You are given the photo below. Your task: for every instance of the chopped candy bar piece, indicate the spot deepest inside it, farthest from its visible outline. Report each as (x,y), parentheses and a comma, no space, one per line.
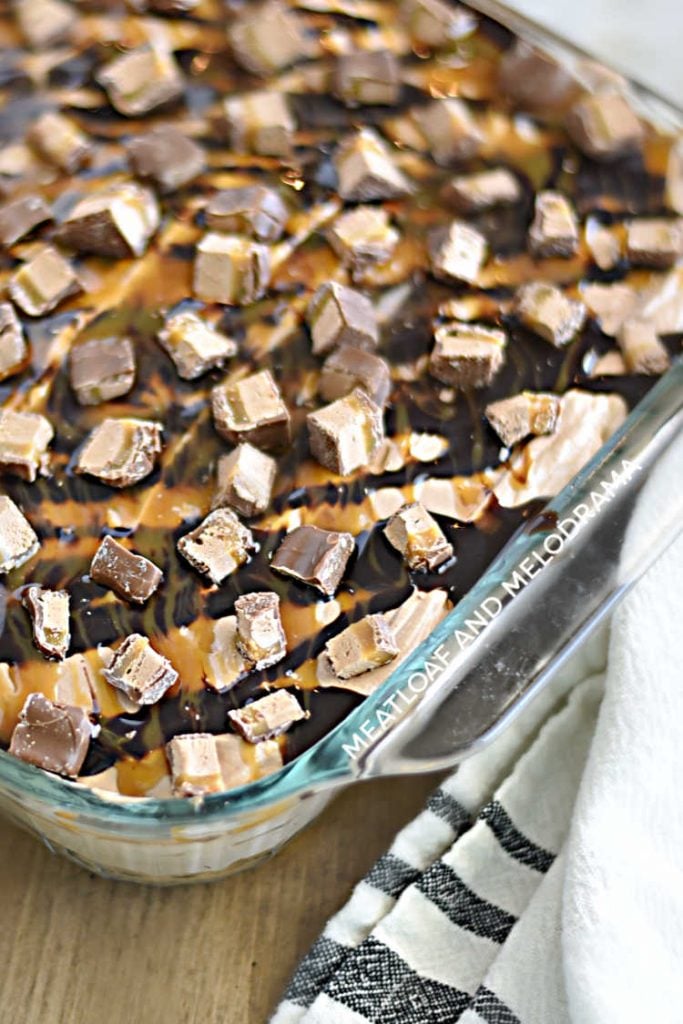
(24,439)
(260,122)
(241,762)
(554,230)
(642,350)
(338,316)
(45,23)
(121,452)
(654,242)
(40,284)
(534,80)
(59,140)
(251,410)
(604,126)
(13,347)
(366,170)
(362,646)
(18,539)
(118,222)
(267,37)
(457,253)
(101,369)
(131,576)
(245,480)
(547,311)
(437,23)
(230,269)
(140,672)
(267,717)
(418,537)
(314,556)
(194,345)
(604,247)
(344,435)
(363,235)
(141,80)
(367,77)
(531,412)
(610,304)
(472,193)
(218,546)
(51,736)
(167,157)
(467,355)
(261,639)
(349,368)
(449,130)
(195,769)
(19,217)
(254,210)
(49,611)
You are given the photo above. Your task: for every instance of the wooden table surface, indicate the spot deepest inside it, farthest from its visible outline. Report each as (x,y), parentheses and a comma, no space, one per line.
(75,949)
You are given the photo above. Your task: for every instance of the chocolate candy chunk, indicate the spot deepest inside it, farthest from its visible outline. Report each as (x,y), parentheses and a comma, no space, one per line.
(60,141)
(314,556)
(346,434)
(642,350)
(20,217)
(467,355)
(604,247)
(24,438)
(531,412)
(117,222)
(254,210)
(367,77)
(349,368)
(245,480)
(195,769)
(194,345)
(363,235)
(251,410)
(101,369)
(241,762)
(45,23)
(121,452)
(260,122)
(362,646)
(230,269)
(40,284)
(18,539)
(449,129)
(418,537)
(654,242)
(49,611)
(167,157)
(267,37)
(472,193)
(604,126)
(267,717)
(13,348)
(218,546)
(141,80)
(51,736)
(457,253)
(553,231)
(533,80)
(139,671)
(261,639)
(131,576)
(547,311)
(338,315)
(366,170)
(436,23)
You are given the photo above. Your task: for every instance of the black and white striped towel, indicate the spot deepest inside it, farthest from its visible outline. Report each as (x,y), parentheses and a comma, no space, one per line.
(510,901)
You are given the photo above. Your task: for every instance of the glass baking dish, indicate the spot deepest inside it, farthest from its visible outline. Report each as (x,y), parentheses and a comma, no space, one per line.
(551,585)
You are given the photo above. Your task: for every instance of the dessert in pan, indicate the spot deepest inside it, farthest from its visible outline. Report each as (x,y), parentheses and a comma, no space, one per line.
(306,309)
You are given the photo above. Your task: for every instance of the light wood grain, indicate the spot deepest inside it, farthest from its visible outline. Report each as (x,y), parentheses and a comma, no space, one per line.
(75,949)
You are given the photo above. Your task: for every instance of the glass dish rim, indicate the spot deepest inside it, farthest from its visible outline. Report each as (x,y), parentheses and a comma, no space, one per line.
(289,783)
